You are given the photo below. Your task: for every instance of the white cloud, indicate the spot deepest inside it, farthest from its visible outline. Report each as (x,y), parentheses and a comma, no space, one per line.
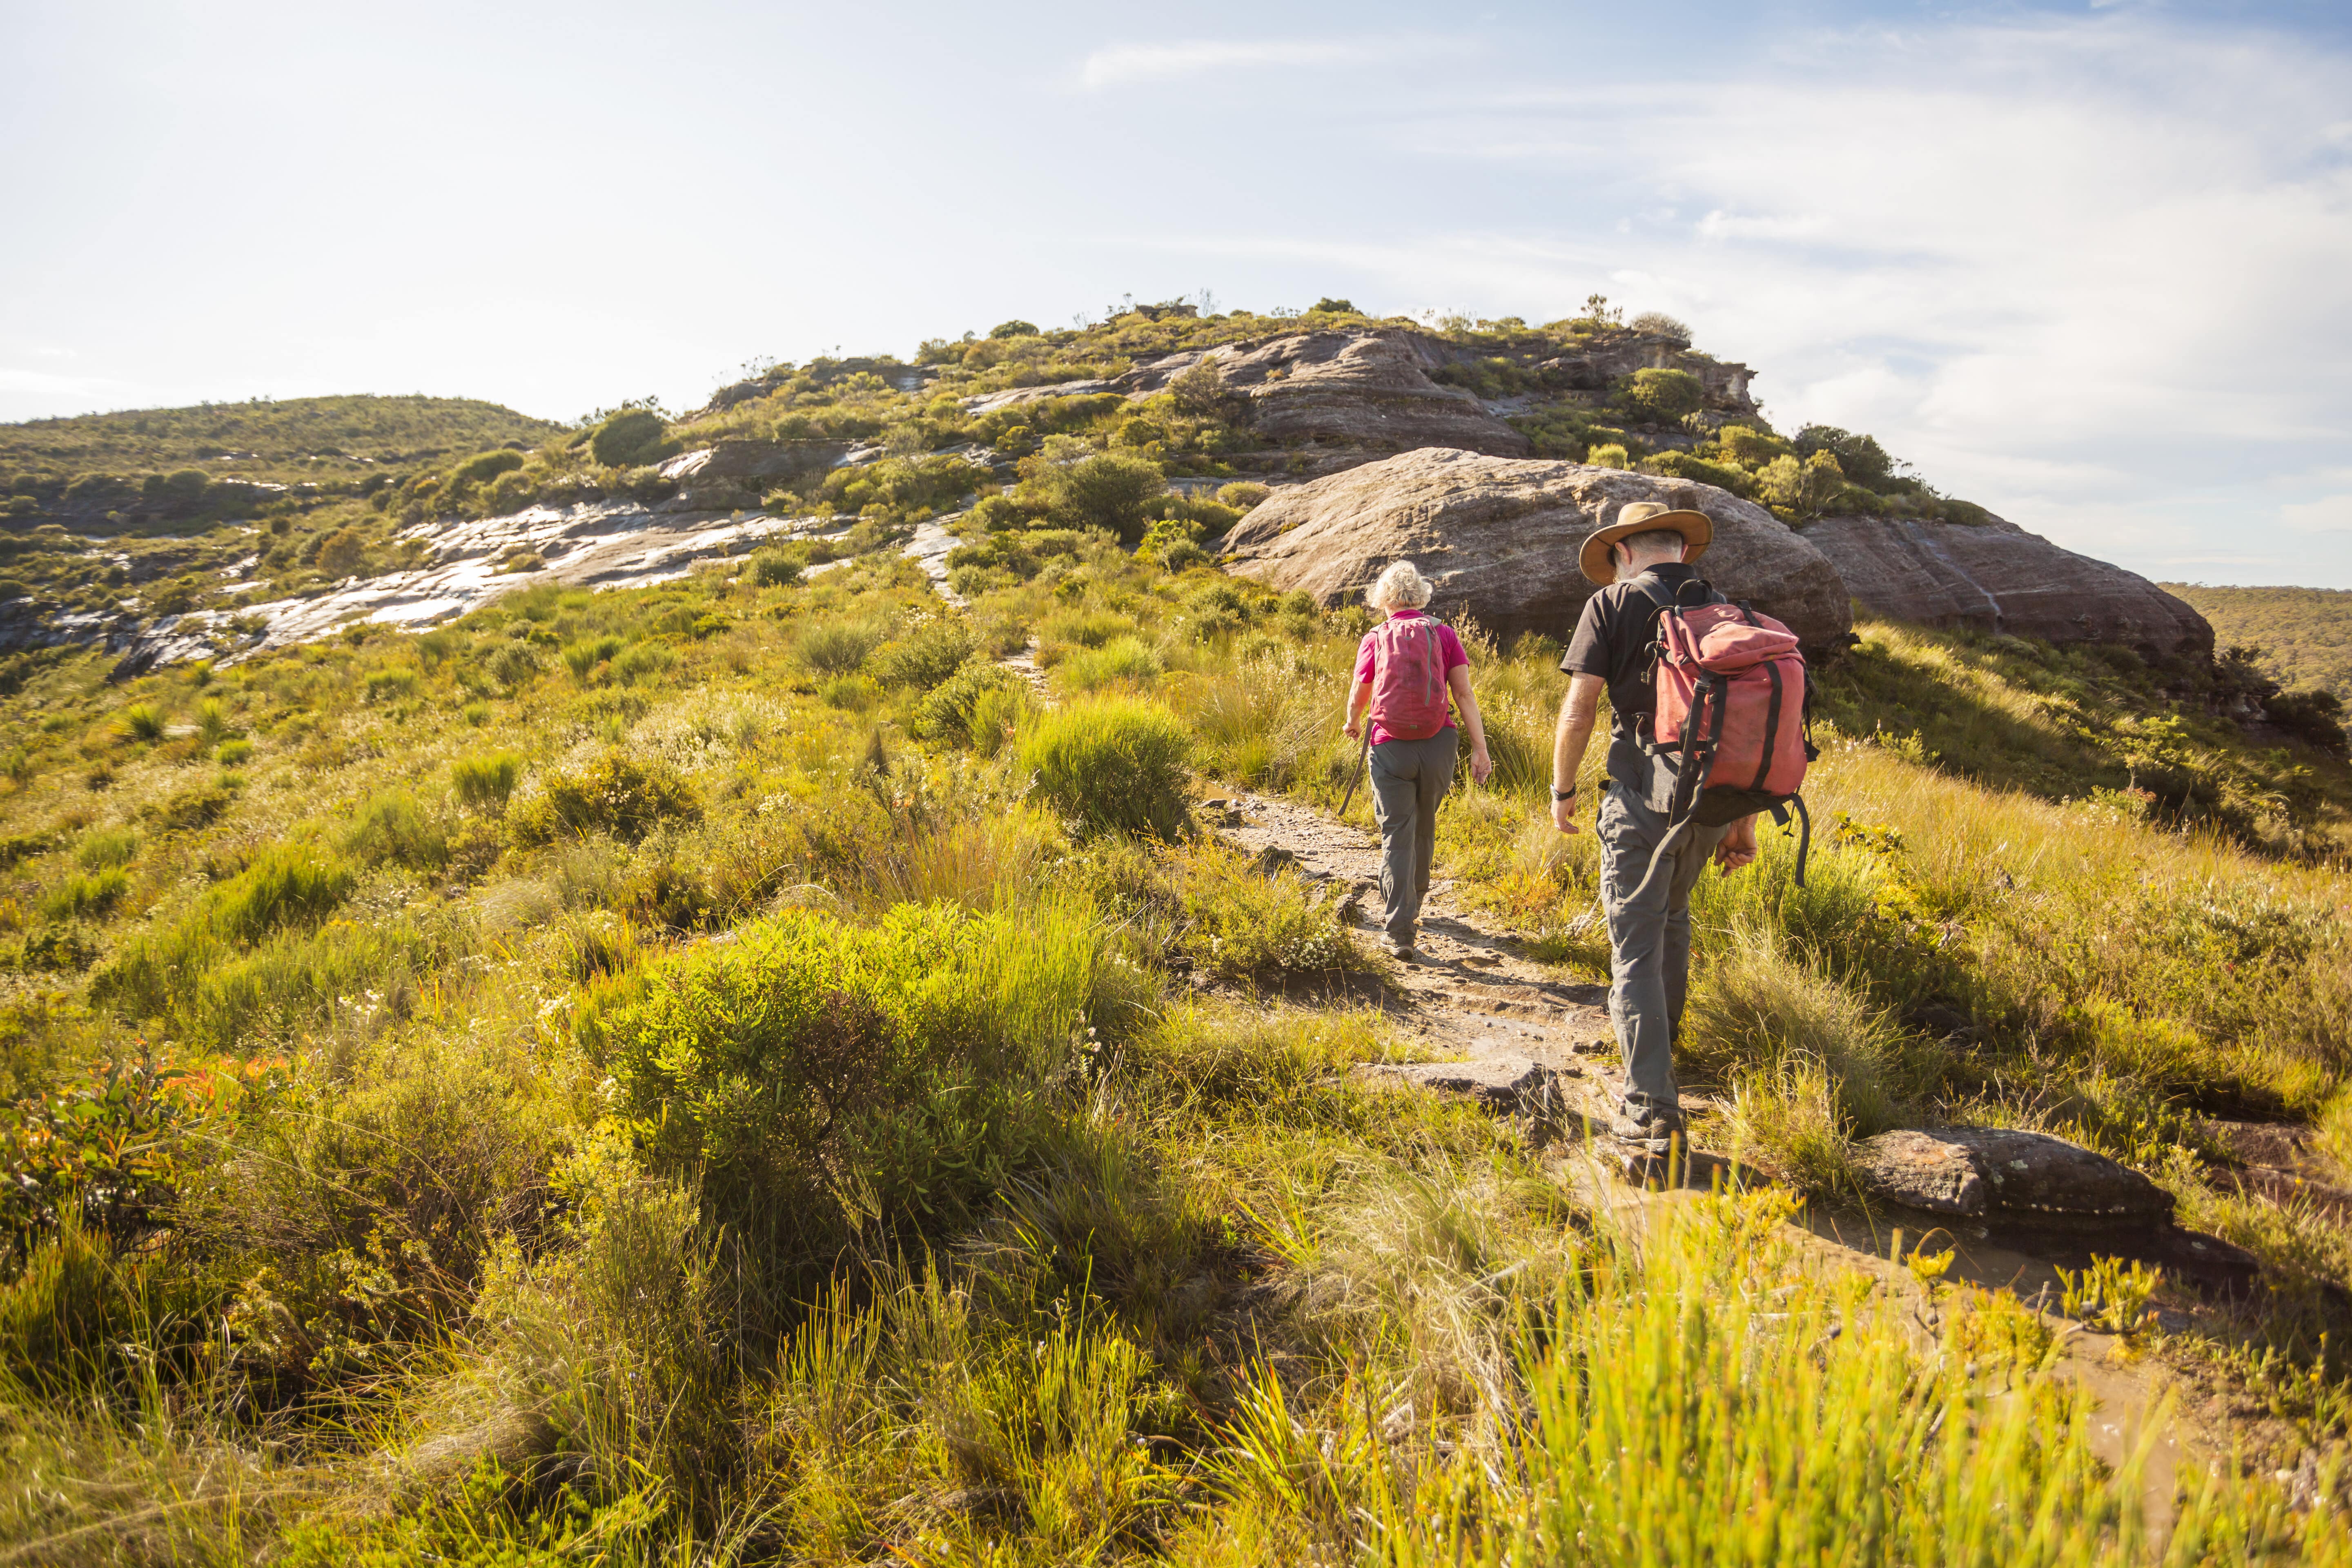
(2329,514)
(1121,63)
(2090,273)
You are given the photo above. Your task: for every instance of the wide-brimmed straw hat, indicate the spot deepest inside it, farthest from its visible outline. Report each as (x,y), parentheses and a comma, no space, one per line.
(1640,516)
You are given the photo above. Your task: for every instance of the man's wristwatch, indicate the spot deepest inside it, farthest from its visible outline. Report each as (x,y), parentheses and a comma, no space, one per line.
(1568,794)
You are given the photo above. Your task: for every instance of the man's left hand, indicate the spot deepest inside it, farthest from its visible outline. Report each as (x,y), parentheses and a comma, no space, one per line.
(1738,846)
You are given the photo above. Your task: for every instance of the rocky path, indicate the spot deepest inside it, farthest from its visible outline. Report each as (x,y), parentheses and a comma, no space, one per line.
(1527,1043)
(1512,1030)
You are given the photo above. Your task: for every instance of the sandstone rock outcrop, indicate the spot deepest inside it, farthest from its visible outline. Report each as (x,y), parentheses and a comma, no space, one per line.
(1352,389)
(1996,577)
(1977,1171)
(1499,538)
(735,472)
(1725,383)
(1364,390)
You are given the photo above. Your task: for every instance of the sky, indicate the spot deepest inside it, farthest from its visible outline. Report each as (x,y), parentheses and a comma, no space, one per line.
(2087,265)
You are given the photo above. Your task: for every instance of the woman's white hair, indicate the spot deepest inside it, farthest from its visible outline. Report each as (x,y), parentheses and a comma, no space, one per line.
(1401,584)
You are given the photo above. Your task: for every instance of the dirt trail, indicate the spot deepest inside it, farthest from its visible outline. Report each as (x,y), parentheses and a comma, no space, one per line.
(1502,1018)
(1474,995)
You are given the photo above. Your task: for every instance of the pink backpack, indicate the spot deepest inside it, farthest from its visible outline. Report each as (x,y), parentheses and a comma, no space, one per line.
(1409,678)
(1732,695)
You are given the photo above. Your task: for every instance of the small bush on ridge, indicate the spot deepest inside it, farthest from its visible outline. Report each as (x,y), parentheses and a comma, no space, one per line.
(616,794)
(1111,765)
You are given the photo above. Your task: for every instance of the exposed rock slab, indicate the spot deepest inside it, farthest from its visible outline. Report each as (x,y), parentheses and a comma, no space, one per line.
(1510,1084)
(1367,390)
(1997,577)
(1983,1171)
(1353,389)
(1499,538)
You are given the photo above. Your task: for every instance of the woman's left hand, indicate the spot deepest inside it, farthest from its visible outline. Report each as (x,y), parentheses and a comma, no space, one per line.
(1481,764)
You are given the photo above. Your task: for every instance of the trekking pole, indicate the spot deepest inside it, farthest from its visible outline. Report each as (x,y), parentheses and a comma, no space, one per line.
(1363,760)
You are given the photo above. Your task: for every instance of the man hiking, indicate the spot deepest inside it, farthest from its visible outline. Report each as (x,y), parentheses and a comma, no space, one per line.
(1642,562)
(1405,669)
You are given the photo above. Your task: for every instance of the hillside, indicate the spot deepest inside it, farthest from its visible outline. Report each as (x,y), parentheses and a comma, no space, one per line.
(290,440)
(2304,634)
(857,1042)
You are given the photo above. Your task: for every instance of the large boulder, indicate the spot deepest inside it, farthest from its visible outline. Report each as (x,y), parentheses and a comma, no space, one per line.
(1980,1170)
(1994,576)
(1499,540)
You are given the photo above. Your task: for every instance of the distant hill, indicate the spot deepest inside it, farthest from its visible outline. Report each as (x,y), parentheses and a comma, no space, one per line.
(293,439)
(2305,634)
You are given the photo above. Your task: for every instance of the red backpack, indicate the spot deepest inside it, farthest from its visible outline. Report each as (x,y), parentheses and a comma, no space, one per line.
(1409,678)
(1732,701)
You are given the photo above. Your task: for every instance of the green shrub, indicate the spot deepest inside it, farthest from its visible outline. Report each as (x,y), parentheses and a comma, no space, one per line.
(72,1311)
(1240,922)
(200,805)
(286,887)
(1013,328)
(632,438)
(1243,494)
(392,827)
(1752,448)
(104,847)
(233,752)
(514,664)
(949,711)
(1087,628)
(1111,765)
(16,846)
(925,656)
(641,661)
(1683,466)
(615,793)
(1108,490)
(92,893)
(1609,456)
(819,1078)
(389,685)
(1802,489)
(838,648)
(486,779)
(343,553)
(771,569)
(484,467)
(1122,662)
(582,655)
(1860,457)
(1665,395)
(140,721)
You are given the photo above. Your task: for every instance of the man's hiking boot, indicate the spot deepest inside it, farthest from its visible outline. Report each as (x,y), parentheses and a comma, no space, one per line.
(1655,1127)
(1402,951)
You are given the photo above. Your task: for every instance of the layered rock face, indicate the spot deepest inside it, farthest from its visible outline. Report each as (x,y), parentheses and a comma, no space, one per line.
(1997,577)
(1499,540)
(1725,383)
(1350,389)
(736,472)
(1366,391)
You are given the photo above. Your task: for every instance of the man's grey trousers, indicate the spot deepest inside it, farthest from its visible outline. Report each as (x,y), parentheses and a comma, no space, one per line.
(1409,778)
(1649,940)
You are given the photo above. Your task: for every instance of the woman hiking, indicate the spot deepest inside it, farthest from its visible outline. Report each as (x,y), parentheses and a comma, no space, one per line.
(1405,667)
